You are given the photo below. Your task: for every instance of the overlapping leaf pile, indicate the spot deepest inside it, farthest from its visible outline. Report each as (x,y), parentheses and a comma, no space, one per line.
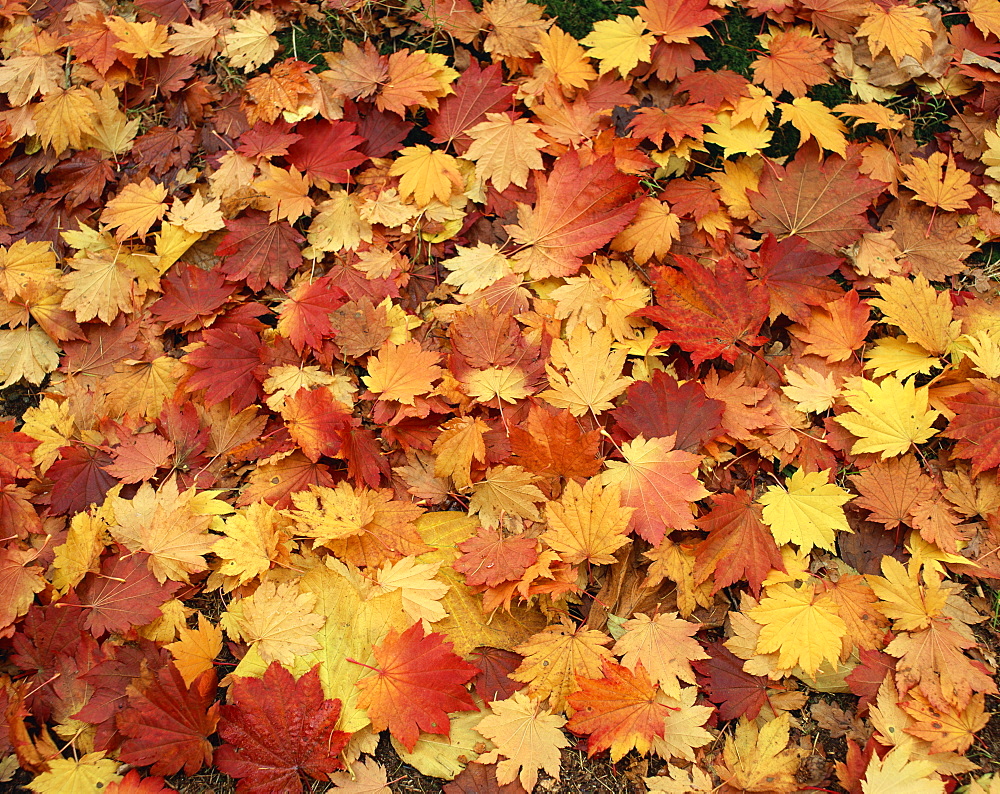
(489,387)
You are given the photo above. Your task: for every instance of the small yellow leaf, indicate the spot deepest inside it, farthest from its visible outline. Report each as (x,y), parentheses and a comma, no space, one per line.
(426,174)
(813,120)
(620,43)
(888,417)
(808,513)
(802,628)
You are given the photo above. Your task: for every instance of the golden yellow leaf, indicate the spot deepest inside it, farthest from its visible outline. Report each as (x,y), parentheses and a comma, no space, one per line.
(24,263)
(90,773)
(813,120)
(888,417)
(938,182)
(801,626)
(919,311)
(587,523)
(113,133)
(509,384)
(100,285)
(906,598)
(51,424)
(285,194)
(684,727)
(591,375)
(28,353)
(196,649)
(744,137)
(477,267)
(900,29)
(900,357)
(808,513)
(255,537)
(426,174)
(872,113)
(554,657)
(80,553)
(199,39)
(812,391)
(505,490)
(897,773)
(505,149)
(514,27)
(198,215)
(651,233)
(135,209)
(759,759)
(337,226)
(984,351)
(420,591)
(460,442)
(621,43)
(141,39)
(63,118)
(277,620)
(565,60)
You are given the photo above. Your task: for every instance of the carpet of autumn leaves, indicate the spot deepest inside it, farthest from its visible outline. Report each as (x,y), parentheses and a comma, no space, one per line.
(499,391)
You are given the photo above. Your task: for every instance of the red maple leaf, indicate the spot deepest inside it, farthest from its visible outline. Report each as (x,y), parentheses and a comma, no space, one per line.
(259,251)
(327,150)
(735,692)
(477,92)
(168,724)
(18,517)
(383,132)
(191,298)
(15,453)
(133,784)
(79,479)
(227,365)
(316,421)
(279,729)
(739,546)
(267,140)
(552,443)
(305,317)
(976,425)
(488,558)
(122,595)
(708,313)
(664,407)
(678,122)
(492,682)
(795,276)
(822,200)
(419,682)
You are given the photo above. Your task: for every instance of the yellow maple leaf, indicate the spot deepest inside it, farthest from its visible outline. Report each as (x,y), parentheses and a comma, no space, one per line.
(587,523)
(113,133)
(250,43)
(199,39)
(898,773)
(591,372)
(24,263)
(938,182)
(872,113)
(888,417)
(803,628)
(744,137)
(135,209)
(900,357)
(566,61)
(664,645)
(141,39)
(460,442)
(38,69)
(514,27)
(983,349)
(254,538)
(919,311)
(28,353)
(651,232)
(92,772)
(63,118)
(906,598)
(420,591)
(337,226)
(527,738)
(198,214)
(759,759)
(277,621)
(101,285)
(80,553)
(813,120)
(509,384)
(402,372)
(195,650)
(476,268)
(812,391)
(620,43)
(554,657)
(505,149)
(900,29)
(808,513)
(285,194)
(426,174)
(505,490)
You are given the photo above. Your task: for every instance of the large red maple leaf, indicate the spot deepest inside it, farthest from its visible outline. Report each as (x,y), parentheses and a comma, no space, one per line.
(796,276)
(976,425)
(168,724)
(122,595)
(327,150)
(279,729)
(477,92)
(418,682)
(708,313)
(227,365)
(736,692)
(664,407)
(259,251)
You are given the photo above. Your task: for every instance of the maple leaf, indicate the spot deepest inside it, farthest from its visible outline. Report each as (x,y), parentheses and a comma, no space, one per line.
(592,372)
(528,737)
(226,363)
(659,482)
(677,22)
(938,182)
(552,443)
(418,682)
(699,307)
(135,209)
(327,150)
(796,277)
(91,772)
(898,771)
(888,417)
(808,512)
(122,595)
(975,425)
(579,208)
(168,723)
(837,329)
(250,43)
(759,757)
(739,546)
(587,524)
(794,63)
(619,43)
(919,311)
(664,646)
(426,173)
(279,729)
(890,491)
(402,372)
(901,29)
(505,149)
(802,627)
(195,650)
(258,251)
(822,200)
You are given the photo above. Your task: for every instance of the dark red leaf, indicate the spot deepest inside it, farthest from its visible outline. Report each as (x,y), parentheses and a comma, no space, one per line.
(664,407)
(124,594)
(327,150)
(259,251)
